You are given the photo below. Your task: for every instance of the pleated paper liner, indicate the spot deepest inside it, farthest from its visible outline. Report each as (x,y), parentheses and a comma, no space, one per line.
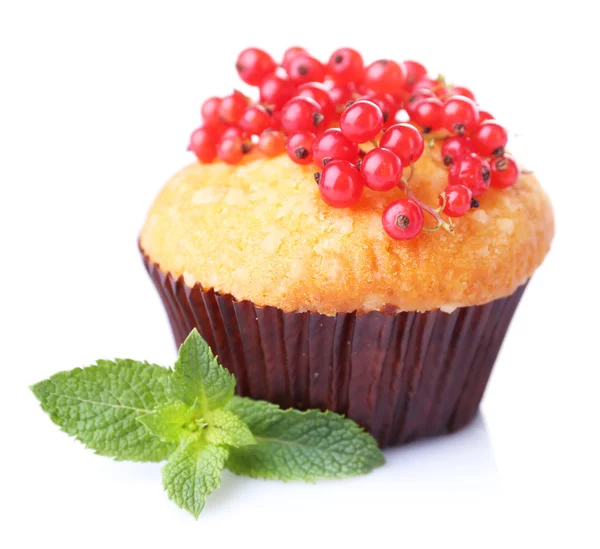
(402,376)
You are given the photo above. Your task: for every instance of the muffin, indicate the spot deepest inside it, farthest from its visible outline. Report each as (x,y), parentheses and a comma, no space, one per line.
(321,284)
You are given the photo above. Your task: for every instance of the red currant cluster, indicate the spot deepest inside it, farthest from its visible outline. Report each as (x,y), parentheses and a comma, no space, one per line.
(320,114)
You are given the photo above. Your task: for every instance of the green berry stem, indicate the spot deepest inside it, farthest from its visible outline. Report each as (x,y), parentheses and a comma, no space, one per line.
(441,222)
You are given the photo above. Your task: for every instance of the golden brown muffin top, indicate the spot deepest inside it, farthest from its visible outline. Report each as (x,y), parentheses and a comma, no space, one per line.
(261,232)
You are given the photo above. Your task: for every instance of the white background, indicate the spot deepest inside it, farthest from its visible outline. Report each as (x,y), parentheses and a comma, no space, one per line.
(97,101)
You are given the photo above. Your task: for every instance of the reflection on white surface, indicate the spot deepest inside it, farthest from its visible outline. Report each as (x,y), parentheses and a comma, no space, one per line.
(447,465)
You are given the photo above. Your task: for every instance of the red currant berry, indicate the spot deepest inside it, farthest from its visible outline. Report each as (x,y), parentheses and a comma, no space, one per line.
(381,169)
(387,104)
(255,120)
(472,171)
(318,92)
(484,115)
(232,107)
(210,111)
(345,65)
(361,121)
(414,72)
(403,219)
(271,143)
(332,144)
(299,147)
(461,114)
(405,141)
(233,131)
(289,54)
(340,95)
(303,68)
(461,90)
(400,98)
(490,139)
(203,143)
(454,147)
(385,76)
(231,150)
(276,91)
(217,129)
(301,114)
(429,113)
(414,99)
(341,184)
(253,65)
(425,84)
(458,200)
(505,171)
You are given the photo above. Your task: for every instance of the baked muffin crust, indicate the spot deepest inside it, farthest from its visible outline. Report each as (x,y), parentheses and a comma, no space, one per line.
(260,232)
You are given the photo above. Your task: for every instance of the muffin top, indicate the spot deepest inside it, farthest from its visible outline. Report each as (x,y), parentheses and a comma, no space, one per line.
(348,186)
(260,231)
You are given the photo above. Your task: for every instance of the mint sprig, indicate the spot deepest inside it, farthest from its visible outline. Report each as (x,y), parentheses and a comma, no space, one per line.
(188,416)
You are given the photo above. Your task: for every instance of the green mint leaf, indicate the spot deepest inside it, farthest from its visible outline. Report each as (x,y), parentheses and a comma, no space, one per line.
(226,428)
(294,445)
(172,422)
(192,473)
(198,375)
(99,405)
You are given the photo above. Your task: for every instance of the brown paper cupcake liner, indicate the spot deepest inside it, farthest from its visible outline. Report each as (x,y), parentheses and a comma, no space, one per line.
(402,376)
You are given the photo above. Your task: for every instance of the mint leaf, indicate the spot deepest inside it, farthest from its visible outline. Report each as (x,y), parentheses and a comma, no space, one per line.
(192,473)
(99,404)
(171,422)
(198,375)
(226,428)
(294,445)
